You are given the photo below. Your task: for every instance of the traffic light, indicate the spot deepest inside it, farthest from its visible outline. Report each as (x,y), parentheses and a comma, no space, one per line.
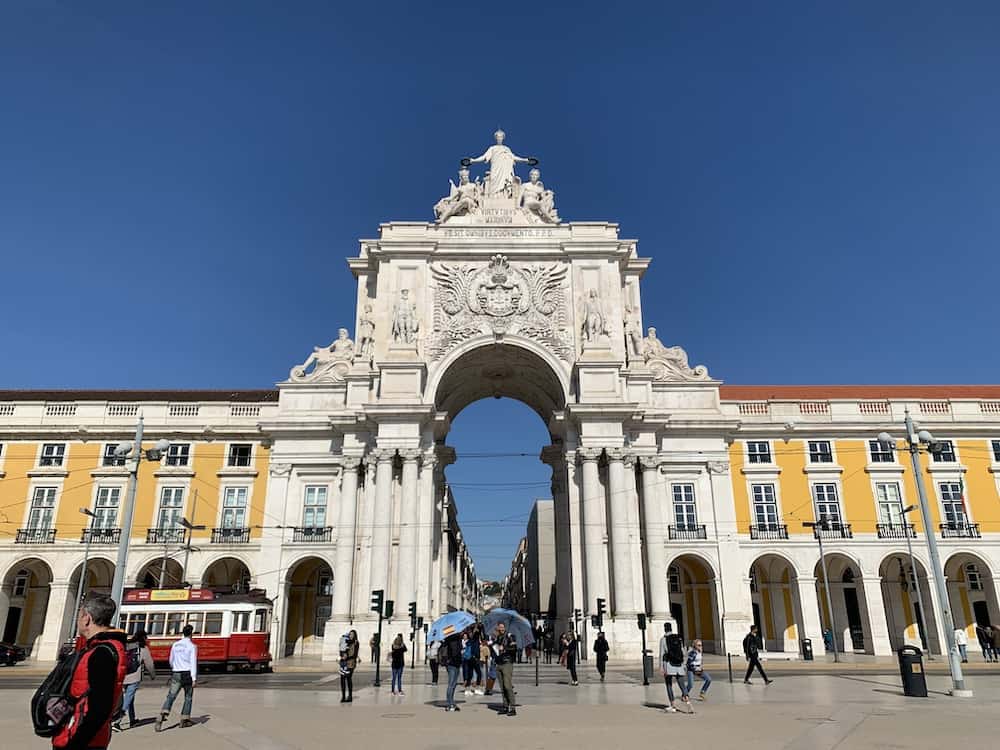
(377,597)
(420,623)
(413,615)
(388,609)
(601,608)
(642,620)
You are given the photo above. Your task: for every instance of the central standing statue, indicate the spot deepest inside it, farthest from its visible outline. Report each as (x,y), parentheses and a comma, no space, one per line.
(501,160)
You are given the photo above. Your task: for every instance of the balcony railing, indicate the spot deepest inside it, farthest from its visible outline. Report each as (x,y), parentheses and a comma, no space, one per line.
(230,536)
(833,530)
(101,536)
(769,531)
(312,533)
(954,530)
(35,536)
(895,530)
(165,536)
(687,531)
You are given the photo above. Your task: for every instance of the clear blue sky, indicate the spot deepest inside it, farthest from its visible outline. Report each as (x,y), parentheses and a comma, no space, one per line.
(816,182)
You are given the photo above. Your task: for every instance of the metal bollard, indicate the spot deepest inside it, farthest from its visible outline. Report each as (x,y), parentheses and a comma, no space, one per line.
(729,657)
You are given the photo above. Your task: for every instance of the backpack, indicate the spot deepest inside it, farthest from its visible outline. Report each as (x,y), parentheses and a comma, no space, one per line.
(675,650)
(52,705)
(467,651)
(133,659)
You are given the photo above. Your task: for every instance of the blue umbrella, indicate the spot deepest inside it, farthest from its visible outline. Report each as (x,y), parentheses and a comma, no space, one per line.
(516,624)
(450,624)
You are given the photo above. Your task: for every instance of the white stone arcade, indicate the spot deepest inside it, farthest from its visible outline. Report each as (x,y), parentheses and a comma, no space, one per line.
(500,298)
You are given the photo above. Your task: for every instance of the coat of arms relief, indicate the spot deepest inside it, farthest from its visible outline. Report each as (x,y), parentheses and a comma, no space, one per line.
(498,299)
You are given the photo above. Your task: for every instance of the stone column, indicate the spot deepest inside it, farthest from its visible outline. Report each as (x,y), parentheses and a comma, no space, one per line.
(811,625)
(363,565)
(553,456)
(656,555)
(343,574)
(55,611)
(621,553)
(881,645)
(5,591)
(425,532)
(406,587)
(381,533)
(595,555)
(634,534)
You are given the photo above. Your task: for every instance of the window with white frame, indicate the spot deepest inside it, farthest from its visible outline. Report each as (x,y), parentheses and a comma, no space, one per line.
(944,452)
(995,445)
(106,507)
(820,452)
(43,508)
(890,503)
(881,453)
(758,452)
(765,505)
(685,514)
(171,508)
(972,577)
(21,581)
(234,508)
(673,580)
(827,502)
(314,507)
(53,454)
(178,454)
(953,504)
(109,458)
(239,454)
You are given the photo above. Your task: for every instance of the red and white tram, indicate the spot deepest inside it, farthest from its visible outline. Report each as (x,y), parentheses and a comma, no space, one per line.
(229,629)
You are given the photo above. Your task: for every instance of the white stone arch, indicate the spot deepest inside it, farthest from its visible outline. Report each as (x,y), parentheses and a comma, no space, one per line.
(971,602)
(695,608)
(26,562)
(25,613)
(305,607)
(853,609)
(905,621)
(204,563)
(776,604)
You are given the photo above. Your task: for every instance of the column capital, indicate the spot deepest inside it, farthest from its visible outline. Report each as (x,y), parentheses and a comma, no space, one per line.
(280,470)
(650,463)
(429,459)
(616,454)
(410,455)
(586,455)
(349,462)
(383,455)
(718,467)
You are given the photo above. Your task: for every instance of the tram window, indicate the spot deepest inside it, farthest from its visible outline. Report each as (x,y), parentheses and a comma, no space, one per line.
(260,621)
(175,623)
(136,621)
(156,622)
(194,620)
(213,623)
(241,622)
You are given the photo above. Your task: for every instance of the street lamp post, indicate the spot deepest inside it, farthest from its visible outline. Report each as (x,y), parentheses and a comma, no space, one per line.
(916,578)
(914,441)
(189,528)
(817,527)
(88,533)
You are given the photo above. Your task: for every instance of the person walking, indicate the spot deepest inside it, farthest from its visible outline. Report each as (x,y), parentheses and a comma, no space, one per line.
(397,658)
(450,655)
(140,661)
(672,666)
(373,645)
(751,651)
(600,649)
(348,663)
(571,652)
(432,660)
(550,645)
(994,639)
(96,685)
(183,674)
(695,668)
(962,643)
(504,649)
(470,661)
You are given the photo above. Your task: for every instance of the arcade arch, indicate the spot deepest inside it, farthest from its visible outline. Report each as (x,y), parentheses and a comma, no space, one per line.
(308,605)
(777,609)
(691,583)
(228,573)
(903,618)
(972,592)
(853,630)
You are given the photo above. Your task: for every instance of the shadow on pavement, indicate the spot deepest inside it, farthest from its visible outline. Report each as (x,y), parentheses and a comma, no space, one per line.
(657,706)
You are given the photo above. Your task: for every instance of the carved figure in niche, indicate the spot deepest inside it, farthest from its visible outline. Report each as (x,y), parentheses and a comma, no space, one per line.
(366,335)
(538,201)
(633,336)
(500,178)
(594,323)
(404,319)
(462,199)
(325,358)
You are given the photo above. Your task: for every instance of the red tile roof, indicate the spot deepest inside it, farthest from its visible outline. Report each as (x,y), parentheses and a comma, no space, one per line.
(863,392)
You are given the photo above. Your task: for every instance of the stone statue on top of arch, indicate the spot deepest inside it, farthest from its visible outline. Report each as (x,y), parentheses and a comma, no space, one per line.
(502,180)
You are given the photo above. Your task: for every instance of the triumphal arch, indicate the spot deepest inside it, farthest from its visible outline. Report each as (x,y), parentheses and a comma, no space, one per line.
(499,296)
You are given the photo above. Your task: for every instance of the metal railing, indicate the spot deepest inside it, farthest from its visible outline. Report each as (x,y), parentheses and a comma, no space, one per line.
(769,531)
(165,536)
(35,536)
(687,531)
(895,530)
(833,530)
(312,533)
(230,536)
(955,530)
(101,536)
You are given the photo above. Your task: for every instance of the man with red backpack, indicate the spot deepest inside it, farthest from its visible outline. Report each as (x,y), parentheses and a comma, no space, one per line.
(96,685)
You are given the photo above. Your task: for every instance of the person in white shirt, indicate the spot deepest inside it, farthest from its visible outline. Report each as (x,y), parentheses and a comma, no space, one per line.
(962,642)
(184,674)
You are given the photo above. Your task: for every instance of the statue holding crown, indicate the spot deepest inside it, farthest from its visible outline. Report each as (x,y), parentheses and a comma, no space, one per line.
(501,159)
(462,199)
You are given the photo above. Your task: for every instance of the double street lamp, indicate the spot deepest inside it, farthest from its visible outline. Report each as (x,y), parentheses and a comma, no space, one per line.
(87,533)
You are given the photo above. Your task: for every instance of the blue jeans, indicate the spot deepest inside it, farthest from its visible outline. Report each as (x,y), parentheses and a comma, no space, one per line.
(452,682)
(397,679)
(128,701)
(706,681)
(173,690)
(963,650)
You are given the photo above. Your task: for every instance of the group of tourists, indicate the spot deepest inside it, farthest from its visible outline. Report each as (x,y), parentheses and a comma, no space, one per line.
(471,654)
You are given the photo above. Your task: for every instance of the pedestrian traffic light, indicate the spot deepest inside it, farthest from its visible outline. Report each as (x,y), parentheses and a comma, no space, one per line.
(642,620)
(413,615)
(420,623)
(388,609)
(601,610)
(377,597)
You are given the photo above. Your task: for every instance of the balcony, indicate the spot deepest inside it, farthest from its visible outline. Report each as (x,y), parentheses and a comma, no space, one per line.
(35,536)
(769,531)
(960,530)
(895,530)
(313,534)
(687,531)
(165,536)
(833,530)
(101,536)
(230,536)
